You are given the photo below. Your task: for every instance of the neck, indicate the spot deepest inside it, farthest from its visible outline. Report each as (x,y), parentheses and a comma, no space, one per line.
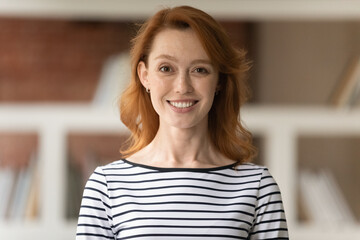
(177,147)
(181,148)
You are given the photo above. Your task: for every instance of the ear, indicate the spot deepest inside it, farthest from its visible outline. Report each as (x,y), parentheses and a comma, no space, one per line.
(143,74)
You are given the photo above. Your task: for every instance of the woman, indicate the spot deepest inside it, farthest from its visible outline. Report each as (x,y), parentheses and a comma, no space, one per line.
(184,174)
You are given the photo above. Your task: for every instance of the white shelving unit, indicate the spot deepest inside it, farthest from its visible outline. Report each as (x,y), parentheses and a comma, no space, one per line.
(257,10)
(52,123)
(279,126)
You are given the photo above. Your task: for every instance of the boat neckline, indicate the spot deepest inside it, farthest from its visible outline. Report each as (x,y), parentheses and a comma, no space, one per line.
(166,169)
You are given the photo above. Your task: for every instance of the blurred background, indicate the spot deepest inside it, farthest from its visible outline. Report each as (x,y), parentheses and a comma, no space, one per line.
(63,65)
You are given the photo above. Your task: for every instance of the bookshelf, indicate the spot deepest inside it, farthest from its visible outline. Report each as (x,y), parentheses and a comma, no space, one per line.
(52,125)
(283,128)
(18,184)
(330,159)
(233,9)
(279,128)
(86,151)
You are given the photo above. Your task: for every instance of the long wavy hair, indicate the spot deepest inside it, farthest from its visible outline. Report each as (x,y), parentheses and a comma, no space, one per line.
(226,131)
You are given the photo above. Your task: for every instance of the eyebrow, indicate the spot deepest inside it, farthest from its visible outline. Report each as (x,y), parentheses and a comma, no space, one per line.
(171,58)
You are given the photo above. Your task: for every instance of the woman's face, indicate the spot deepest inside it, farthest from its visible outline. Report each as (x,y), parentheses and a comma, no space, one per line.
(181,78)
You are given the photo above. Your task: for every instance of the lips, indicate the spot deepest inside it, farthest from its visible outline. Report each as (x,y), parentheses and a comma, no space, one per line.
(182,104)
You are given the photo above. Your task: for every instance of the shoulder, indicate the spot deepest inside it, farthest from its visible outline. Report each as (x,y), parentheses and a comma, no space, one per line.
(117,166)
(101,172)
(250,168)
(261,173)
(268,189)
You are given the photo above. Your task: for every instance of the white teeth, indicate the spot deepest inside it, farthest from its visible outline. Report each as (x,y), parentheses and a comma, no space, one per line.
(182,104)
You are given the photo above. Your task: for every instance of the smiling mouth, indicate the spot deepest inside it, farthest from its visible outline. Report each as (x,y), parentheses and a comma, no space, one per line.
(185,104)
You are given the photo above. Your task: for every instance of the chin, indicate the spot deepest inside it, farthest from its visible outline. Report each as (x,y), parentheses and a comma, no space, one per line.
(187,125)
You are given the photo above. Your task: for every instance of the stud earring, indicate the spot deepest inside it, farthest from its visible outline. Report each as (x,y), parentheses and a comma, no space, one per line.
(147,90)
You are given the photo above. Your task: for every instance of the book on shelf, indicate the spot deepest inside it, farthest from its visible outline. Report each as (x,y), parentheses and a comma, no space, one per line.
(31,206)
(322,198)
(18,191)
(114,76)
(7,181)
(347,91)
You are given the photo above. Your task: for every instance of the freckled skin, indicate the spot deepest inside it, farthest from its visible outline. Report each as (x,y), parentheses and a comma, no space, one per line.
(179,70)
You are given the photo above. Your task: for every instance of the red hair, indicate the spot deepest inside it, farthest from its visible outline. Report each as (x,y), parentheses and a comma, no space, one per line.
(226,132)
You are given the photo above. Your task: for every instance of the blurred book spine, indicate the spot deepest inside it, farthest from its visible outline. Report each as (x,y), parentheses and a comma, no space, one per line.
(322,198)
(347,91)
(114,77)
(19,191)
(7,179)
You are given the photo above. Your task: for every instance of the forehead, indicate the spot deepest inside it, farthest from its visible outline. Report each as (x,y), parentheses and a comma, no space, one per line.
(178,43)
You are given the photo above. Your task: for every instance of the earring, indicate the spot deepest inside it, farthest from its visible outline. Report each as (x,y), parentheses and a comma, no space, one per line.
(147,90)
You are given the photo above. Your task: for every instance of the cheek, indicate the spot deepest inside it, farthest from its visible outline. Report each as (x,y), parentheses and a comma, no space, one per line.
(155,103)
(209,86)
(156,81)
(157,93)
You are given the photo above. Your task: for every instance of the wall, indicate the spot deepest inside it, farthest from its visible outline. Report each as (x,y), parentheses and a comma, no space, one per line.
(55,60)
(61,60)
(301,62)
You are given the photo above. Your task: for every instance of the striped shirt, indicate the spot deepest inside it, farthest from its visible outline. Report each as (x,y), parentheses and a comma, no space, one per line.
(125,200)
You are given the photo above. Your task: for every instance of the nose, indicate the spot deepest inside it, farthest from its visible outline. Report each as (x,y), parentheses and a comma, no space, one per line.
(183,83)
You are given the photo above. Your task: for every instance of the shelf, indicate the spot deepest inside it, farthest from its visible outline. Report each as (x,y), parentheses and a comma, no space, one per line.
(19,180)
(308,120)
(38,230)
(80,117)
(85,118)
(276,128)
(316,232)
(288,31)
(233,9)
(52,123)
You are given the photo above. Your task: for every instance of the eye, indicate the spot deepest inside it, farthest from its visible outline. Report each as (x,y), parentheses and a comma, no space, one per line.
(165,69)
(201,70)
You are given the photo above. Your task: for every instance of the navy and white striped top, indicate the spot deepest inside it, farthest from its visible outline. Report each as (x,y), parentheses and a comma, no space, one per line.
(124,200)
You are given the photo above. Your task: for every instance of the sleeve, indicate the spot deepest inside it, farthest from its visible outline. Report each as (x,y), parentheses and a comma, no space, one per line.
(270,221)
(95,221)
